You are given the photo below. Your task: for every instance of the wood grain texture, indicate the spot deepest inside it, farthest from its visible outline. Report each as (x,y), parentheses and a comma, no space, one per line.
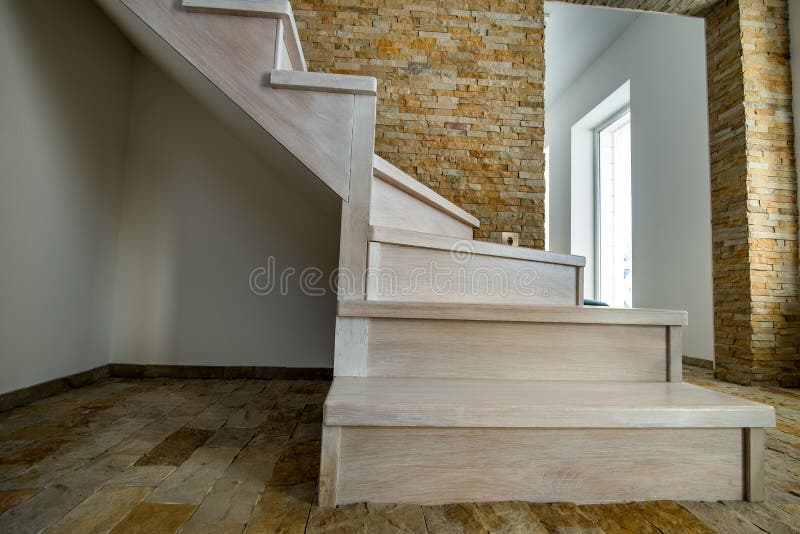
(323,81)
(329,465)
(399,179)
(674,353)
(428,402)
(279,9)
(354,237)
(436,466)
(503,313)
(395,208)
(350,346)
(234,54)
(415,274)
(281,59)
(754,450)
(514,350)
(481,248)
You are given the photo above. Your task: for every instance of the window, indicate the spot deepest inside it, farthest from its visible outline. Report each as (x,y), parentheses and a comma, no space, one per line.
(547,198)
(614,236)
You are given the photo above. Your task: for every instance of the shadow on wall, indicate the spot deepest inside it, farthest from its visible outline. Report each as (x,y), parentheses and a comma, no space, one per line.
(200,212)
(64,97)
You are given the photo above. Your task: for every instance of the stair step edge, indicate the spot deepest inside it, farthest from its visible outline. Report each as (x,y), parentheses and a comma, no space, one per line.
(396,236)
(324,82)
(506,313)
(528,404)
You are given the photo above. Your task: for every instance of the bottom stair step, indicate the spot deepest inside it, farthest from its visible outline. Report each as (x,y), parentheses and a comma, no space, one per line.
(430,441)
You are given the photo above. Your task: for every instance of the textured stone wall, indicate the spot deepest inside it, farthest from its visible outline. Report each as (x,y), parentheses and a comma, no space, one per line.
(753,191)
(461,96)
(461,108)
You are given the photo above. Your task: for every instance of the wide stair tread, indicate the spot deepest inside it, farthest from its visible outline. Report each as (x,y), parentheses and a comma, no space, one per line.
(458,246)
(455,311)
(428,402)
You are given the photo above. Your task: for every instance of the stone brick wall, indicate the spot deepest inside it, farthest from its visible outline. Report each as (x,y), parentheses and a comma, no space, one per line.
(461,96)
(754,192)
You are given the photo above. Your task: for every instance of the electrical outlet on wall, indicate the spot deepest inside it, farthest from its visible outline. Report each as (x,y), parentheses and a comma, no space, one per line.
(510,238)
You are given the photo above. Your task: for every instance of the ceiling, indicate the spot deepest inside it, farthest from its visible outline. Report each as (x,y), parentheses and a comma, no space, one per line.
(575,37)
(679,7)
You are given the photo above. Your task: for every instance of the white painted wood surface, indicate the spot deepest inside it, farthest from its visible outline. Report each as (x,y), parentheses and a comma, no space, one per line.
(675,353)
(323,81)
(754,451)
(354,236)
(445,465)
(481,248)
(279,9)
(350,346)
(502,313)
(281,54)
(415,274)
(395,208)
(235,54)
(399,179)
(515,350)
(329,465)
(428,402)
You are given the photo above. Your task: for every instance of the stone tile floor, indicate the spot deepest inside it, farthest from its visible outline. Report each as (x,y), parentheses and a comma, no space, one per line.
(225,456)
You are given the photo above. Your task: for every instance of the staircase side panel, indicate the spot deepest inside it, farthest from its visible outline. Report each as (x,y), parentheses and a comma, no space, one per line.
(393,208)
(236,54)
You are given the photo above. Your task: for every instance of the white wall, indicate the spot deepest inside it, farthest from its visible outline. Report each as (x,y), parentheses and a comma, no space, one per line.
(201,210)
(664,59)
(63,122)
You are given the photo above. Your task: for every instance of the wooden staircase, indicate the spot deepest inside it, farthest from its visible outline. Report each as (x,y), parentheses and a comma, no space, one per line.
(464,370)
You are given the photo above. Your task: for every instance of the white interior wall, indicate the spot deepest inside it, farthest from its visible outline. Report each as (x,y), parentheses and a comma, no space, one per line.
(201,210)
(131,219)
(664,59)
(64,93)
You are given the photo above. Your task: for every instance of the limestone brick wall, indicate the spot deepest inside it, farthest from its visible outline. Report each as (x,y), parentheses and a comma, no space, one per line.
(754,192)
(461,96)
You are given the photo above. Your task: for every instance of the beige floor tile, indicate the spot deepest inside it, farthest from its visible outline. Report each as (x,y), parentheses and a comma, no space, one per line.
(282,509)
(101,511)
(191,482)
(453,519)
(509,518)
(234,495)
(351,519)
(298,463)
(12,498)
(669,516)
(176,448)
(149,518)
(721,518)
(193,527)
(395,519)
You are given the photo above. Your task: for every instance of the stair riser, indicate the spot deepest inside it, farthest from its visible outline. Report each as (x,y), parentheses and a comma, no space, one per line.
(392,208)
(437,466)
(516,350)
(409,273)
